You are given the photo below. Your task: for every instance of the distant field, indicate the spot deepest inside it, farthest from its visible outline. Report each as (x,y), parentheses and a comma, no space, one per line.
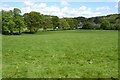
(61,54)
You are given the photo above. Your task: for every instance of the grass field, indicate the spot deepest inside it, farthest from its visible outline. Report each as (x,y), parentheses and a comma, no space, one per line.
(61,54)
(0,56)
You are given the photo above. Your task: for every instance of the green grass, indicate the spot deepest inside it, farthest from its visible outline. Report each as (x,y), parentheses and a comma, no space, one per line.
(61,54)
(0,56)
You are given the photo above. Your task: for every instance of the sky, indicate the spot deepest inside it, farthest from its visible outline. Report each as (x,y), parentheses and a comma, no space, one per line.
(64,8)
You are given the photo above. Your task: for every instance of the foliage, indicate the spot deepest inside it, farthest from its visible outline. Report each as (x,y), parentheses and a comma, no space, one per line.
(64,24)
(11,25)
(88,25)
(12,21)
(19,20)
(105,25)
(97,27)
(97,20)
(0,22)
(117,26)
(47,22)
(33,21)
(55,22)
(112,20)
(91,19)
(81,19)
(72,22)
(5,20)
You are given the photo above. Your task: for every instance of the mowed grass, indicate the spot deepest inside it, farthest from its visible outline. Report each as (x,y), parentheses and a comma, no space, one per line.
(61,54)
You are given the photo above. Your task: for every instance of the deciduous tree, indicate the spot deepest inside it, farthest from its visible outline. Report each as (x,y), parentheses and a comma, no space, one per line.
(105,25)
(47,22)
(55,22)
(64,24)
(33,21)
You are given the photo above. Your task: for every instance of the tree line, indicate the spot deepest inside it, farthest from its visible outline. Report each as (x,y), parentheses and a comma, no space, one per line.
(109,22)
(15,23)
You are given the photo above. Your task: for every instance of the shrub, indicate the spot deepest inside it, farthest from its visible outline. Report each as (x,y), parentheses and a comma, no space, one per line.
(117,26)
(97,27)
(87,25)
(105,25)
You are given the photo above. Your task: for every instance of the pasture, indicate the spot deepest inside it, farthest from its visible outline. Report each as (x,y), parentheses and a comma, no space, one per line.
(61,54)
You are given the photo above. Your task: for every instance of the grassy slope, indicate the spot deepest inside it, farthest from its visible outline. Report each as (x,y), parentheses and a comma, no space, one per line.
(81,54)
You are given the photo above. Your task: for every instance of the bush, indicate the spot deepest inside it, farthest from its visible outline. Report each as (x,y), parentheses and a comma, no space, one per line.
(112,27)
(97,27)
(117,26)
(87,25)
(105,25)
(5,32)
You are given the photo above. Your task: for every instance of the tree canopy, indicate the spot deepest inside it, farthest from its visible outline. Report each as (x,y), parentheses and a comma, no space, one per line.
(33,21)
(14,22)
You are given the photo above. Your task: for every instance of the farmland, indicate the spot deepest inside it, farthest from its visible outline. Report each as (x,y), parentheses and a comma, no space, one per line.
(61,54)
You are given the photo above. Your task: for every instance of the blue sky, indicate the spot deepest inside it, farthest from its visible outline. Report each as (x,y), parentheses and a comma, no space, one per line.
(64,8)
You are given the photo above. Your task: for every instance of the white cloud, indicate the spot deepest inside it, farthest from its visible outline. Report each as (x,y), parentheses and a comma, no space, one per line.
(6,7)
(42,5)
(64,11)
(104,8)
(28,3)
(116,6)
(82,8)
(64,3)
